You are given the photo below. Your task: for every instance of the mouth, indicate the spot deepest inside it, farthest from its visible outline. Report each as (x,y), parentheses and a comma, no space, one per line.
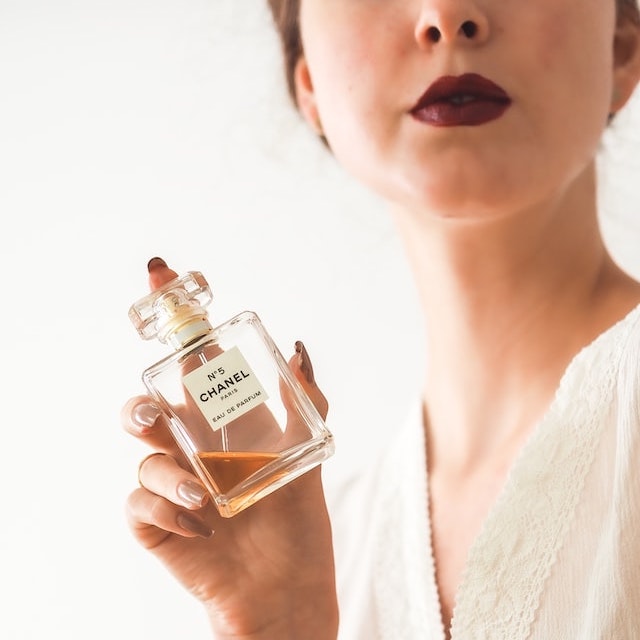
(467,100)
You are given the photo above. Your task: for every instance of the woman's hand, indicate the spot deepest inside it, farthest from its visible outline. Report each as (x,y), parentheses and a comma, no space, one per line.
(266,573)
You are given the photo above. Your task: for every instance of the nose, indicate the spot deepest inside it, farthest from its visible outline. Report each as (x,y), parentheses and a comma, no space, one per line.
(451,21)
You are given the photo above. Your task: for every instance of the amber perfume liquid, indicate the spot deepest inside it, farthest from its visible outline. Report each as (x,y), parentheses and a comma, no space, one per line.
(235,409)
(228,469)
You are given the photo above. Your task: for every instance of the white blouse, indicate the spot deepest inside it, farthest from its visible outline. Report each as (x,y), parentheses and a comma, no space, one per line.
(558,556)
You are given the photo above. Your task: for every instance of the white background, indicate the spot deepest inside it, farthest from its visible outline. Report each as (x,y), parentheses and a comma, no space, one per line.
(132,128)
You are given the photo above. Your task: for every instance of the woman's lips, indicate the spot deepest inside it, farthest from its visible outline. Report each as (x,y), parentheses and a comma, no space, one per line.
(467,100)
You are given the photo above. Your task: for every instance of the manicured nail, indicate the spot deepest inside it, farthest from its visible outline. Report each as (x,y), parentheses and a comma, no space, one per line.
(305,362)
(155,263)
(145,415)
(191,523)
(192,494)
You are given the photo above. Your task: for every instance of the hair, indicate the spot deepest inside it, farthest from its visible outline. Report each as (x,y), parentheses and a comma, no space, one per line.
(286,13)
(285,16)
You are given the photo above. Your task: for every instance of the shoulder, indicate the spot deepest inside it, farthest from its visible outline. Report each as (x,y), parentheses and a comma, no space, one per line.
(610,384)
(627,373)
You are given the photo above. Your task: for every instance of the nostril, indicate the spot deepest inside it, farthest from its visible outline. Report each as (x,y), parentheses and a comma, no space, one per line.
(469,28)
(433,34)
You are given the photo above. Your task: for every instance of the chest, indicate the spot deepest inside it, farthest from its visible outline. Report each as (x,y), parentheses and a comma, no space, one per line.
(457,511)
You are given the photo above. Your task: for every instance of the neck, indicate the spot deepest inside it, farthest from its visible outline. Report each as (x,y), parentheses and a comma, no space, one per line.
(508,301)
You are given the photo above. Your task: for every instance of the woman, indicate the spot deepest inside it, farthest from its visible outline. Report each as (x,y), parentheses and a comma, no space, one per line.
(479,122)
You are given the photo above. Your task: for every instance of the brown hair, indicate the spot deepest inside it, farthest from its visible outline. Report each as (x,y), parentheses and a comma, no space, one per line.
(285,16)
(286,12)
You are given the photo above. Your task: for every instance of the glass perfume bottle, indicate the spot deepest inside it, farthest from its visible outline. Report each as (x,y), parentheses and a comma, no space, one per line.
(235,409)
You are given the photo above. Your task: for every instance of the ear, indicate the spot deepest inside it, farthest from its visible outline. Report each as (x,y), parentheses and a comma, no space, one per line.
(626,60)
(305,95)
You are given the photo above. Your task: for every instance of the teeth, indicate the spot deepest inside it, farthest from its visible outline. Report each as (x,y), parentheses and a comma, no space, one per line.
(464,99)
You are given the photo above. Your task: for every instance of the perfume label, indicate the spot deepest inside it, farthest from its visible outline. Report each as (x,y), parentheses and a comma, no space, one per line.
(225,388)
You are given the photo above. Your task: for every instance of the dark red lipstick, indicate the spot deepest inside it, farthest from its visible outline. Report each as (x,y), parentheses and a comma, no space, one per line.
(461,101)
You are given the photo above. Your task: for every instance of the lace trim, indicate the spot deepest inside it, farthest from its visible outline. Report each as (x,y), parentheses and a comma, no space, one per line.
(407,604)
(517,547)
(513,555)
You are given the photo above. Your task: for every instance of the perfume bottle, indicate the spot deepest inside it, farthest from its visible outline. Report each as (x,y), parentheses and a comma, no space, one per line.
(235,409)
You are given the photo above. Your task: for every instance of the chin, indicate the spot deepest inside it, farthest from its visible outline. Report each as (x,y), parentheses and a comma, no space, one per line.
(458,184)
(453,198)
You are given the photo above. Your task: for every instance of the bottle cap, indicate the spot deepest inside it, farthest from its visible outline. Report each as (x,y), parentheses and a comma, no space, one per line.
(174,313)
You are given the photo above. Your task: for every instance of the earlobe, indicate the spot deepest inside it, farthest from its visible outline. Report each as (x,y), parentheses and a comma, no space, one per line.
(626,54)
(305,96)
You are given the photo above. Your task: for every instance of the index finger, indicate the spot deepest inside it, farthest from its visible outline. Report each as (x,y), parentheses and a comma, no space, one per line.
(159,273)
(141,416)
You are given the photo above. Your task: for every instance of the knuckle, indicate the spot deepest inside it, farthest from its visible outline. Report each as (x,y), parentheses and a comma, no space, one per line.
(157,509)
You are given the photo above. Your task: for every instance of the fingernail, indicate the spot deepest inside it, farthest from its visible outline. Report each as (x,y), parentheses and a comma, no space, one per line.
(155,263)
(191,523)
(305,362)
(192,494)
(144,416)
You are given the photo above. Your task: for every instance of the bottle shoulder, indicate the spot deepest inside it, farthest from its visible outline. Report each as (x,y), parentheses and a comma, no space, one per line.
(207,346)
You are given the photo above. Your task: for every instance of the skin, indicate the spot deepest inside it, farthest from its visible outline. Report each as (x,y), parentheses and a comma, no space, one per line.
(277,555)
(499,221)
(500,227)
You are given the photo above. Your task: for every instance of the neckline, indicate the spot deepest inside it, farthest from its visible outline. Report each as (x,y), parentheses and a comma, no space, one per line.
(522,472)
(404,582)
